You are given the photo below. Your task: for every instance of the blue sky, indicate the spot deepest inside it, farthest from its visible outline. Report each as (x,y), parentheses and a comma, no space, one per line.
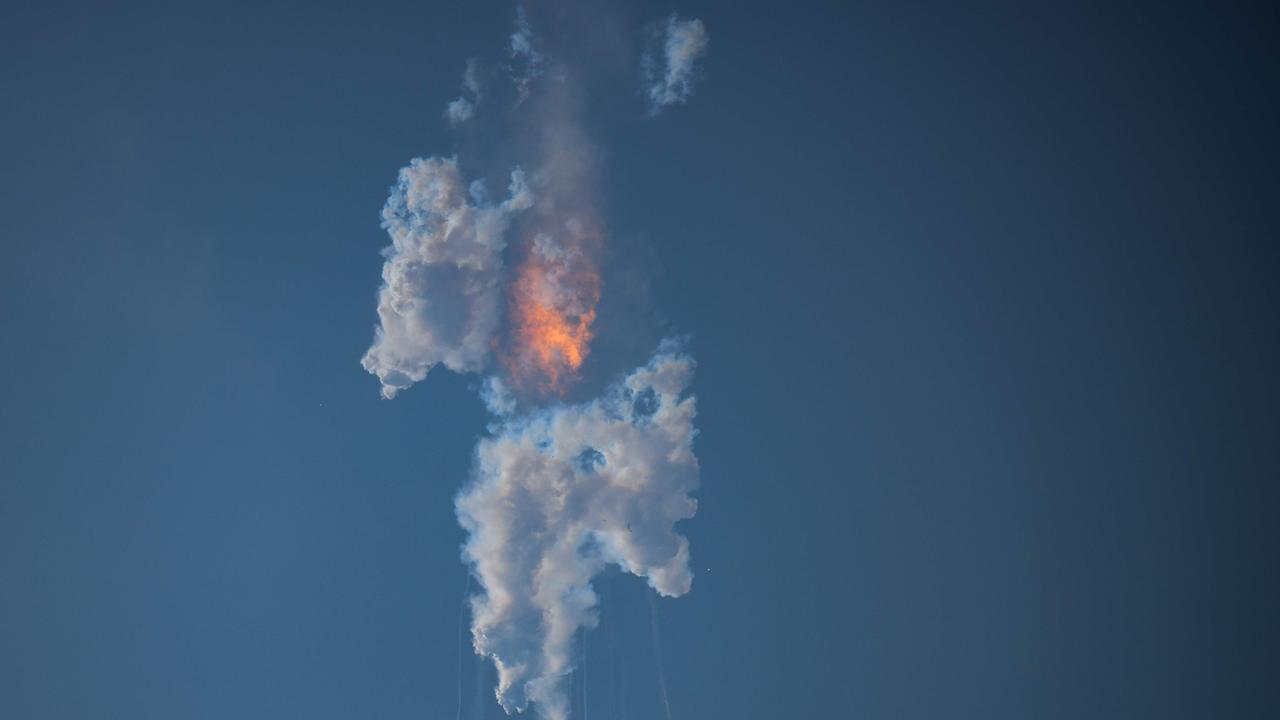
(981,299)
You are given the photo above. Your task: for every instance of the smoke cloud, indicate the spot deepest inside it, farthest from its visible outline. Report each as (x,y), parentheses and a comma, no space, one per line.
(441,296)
(559,495)
(508,289)
(670,66)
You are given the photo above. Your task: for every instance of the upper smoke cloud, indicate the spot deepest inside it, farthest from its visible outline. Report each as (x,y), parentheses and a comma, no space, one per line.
(561,494)
(669,69)
(440,300)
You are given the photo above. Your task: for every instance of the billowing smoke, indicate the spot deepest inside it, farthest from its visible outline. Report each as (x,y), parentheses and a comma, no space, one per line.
(560,494)
(508,287)
(441,296)
(669,65)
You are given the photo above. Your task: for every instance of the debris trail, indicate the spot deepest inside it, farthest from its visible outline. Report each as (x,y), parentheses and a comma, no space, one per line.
(657,654)
(478,706)
(609,619)
(462,626)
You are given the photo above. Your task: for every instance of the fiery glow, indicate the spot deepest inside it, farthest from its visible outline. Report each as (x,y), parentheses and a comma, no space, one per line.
(552,309)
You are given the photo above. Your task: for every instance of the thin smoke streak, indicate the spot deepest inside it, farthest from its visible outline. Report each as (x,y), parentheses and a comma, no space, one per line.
(613,698)
(478,706)
(462,619)
(584,674)
(622,687)
(657,653)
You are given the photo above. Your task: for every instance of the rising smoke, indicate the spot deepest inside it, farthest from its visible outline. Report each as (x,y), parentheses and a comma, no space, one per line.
(509,289)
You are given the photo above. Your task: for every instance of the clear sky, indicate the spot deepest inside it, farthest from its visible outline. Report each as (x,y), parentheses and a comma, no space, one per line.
(982,297)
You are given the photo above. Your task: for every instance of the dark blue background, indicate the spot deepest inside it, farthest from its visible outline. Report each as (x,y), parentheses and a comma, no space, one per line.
(983,297)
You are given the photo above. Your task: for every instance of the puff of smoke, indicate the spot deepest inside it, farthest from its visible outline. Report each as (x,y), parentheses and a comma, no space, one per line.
(526,61)
(497,399)
(560,494)
(669,69)
(461,109)
(440,300)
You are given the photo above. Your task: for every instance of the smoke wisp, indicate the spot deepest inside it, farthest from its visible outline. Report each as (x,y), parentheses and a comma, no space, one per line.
(670,64)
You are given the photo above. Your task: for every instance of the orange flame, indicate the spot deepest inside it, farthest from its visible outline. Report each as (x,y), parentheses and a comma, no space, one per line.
(552,309)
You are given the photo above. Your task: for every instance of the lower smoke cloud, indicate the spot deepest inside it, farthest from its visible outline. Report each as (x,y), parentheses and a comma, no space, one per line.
(559,495)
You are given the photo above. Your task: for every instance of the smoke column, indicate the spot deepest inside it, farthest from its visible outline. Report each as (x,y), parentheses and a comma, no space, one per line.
(506,284)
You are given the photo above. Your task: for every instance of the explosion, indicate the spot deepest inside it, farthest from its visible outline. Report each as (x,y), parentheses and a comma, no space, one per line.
(551,308)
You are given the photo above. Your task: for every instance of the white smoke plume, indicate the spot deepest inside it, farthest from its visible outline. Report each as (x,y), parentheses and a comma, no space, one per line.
(670,67)
(462,615)
(441,297)
(559,495)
